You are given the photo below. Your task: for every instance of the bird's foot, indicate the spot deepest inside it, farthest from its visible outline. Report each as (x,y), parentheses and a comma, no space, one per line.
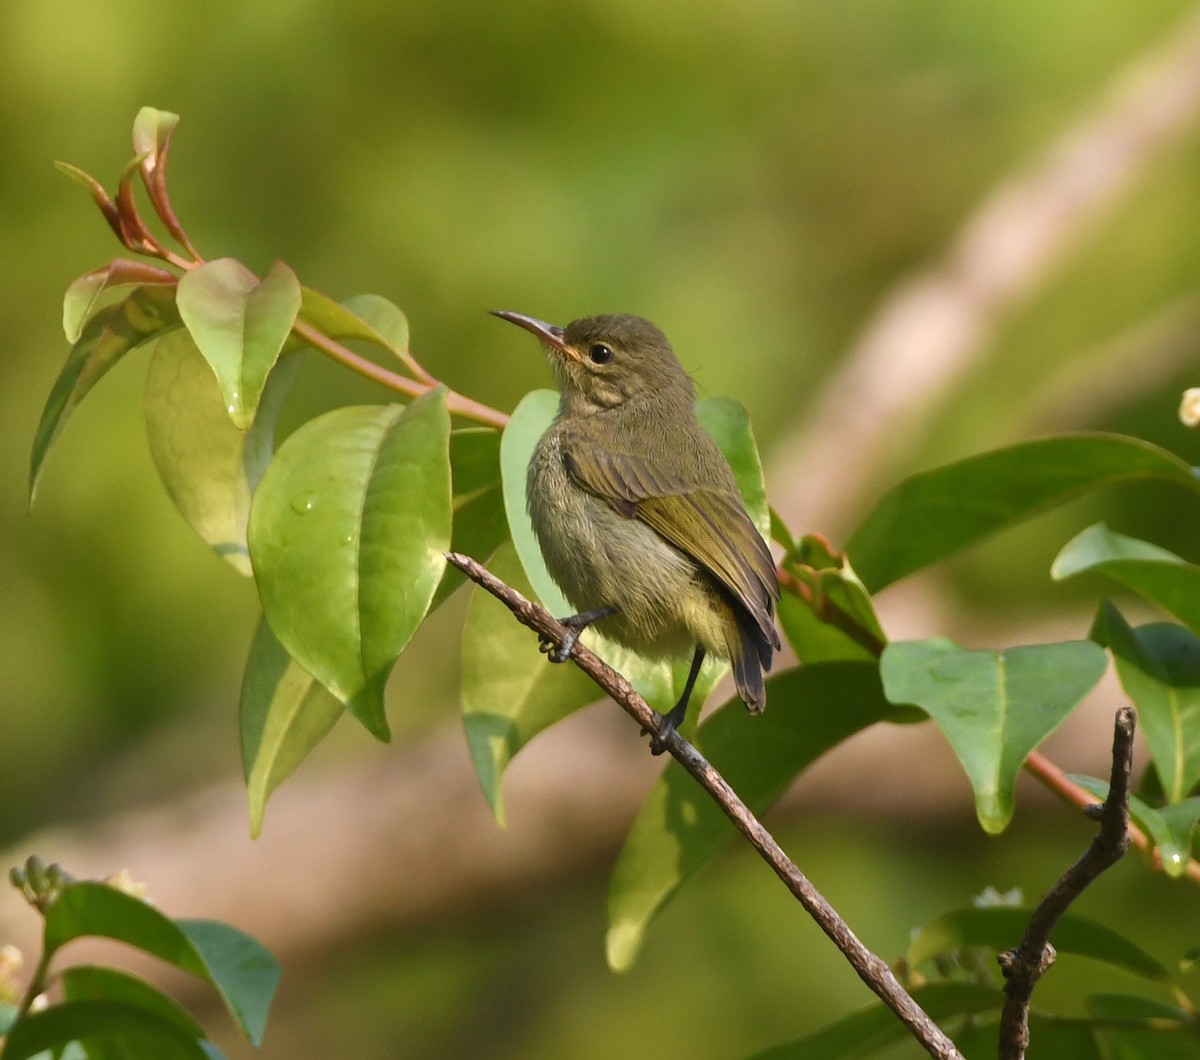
(575,625)
(668,724)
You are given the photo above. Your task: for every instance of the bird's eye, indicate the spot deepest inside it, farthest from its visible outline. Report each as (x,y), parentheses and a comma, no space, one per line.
(599,353)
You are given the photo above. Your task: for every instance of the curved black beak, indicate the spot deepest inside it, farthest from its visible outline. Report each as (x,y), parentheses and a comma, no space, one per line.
(550,334)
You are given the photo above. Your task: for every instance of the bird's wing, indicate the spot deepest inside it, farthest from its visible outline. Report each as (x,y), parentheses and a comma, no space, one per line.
(708,524)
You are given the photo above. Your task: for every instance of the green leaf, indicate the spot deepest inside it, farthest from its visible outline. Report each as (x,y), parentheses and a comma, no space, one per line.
(82,297)
(1170,1033)
(152,131)
(998,928)
(936,513)
(479,522)
(994,707)
(208,465)
(510,691)
(240,324)
(126,1031)
(1170,827)
(680,829)
(1159,669)
(285,713)
(864,1032)
(1154,573)
(348,533)
(87,982)
(368,318)
(146,313)
(243,972)
(660,683)
(825,611)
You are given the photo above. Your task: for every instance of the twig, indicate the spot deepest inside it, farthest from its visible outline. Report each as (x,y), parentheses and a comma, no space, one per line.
(871,969)
(1025,965)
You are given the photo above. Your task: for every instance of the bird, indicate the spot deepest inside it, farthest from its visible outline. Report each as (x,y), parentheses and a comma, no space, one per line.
(638,514)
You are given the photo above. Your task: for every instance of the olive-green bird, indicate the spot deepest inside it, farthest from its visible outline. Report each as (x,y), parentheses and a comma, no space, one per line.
(638,514)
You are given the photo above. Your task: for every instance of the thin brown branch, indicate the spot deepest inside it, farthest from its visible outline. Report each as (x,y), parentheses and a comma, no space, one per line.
(1053,778)
(1025,965)
(871,969)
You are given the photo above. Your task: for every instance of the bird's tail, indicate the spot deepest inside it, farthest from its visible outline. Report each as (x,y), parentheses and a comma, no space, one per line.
(750,654)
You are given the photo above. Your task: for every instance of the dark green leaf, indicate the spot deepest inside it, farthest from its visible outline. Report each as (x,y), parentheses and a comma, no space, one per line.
(1159,668)
(1166,1032)
(130,1032)
(1050,1038)
(1170,827)
(285,713)
(934,514)
(865,1032)
(240,324)
(680,829)
(146,313)
(999,928)
(348,533)
(994,707)
(208,465)
(1158,575)
(510,690)
(243,972)
(825,612)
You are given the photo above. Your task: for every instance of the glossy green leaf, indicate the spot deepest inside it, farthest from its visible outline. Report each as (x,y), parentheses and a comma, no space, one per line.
(285,713)
(110,1029)
(994,707)
(83,296)
(826,613)
(348,533)
(1159,669)
(1169,827)
(479,522)
(368,318)
(998,928)
(1154,573)
(86,982)
(660,683)
(144,314)
(935,513)
(680,829)
(208,465)
(868,1030)
(243,972)
(240,324)
(510,690)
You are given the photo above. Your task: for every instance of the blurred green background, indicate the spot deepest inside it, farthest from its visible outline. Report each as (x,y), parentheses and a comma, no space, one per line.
(755,178)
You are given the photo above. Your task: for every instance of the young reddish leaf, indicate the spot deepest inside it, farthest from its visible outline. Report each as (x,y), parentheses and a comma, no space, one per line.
(145,314)
(208,465)
(348,531)
(240,324)
(99,196)
(82,296)
(936,513)
(994,707)
(285,713)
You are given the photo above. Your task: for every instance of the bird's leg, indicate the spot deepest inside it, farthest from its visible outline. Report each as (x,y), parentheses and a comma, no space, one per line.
(575,624)
(674,717)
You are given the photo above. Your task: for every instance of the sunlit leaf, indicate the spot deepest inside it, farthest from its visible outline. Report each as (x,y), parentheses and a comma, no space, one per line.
(348,533)
(936,513)
(82,297)
(243,972)
(152,132)
(825,612)
(145,314)
(208,465)
(868,1030)
(285,713)
(999,928)
(994,707)
(680,829)
(1159,669)
(1169,827)
(368,318)
(1158,575)
(240,324)
(385,318)
(510,690)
